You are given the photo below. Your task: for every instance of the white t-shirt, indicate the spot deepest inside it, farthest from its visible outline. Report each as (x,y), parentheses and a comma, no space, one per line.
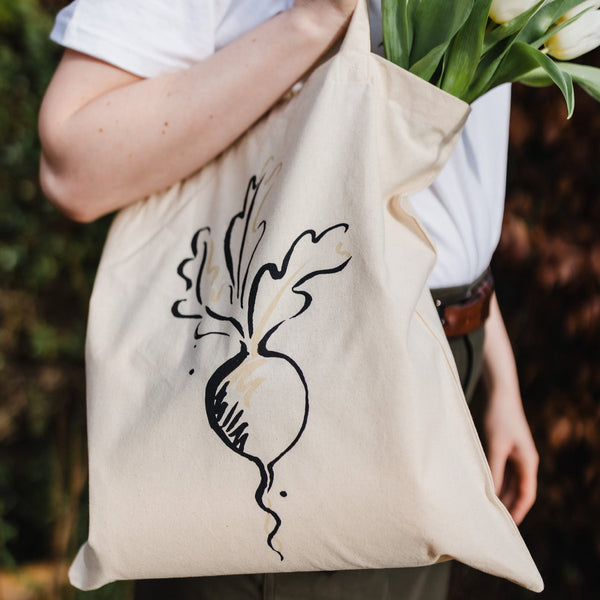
(461,211)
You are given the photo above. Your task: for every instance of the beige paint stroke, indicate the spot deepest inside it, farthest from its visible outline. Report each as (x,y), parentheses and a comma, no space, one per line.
(258,332)
(340,250)
(213,271)
(240,376)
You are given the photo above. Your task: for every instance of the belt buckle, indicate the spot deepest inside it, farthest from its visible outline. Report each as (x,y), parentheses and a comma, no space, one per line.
(440,306)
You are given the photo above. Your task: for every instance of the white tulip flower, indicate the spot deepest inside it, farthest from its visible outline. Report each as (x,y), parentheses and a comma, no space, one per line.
(577,9)
(577,38)
(502,11)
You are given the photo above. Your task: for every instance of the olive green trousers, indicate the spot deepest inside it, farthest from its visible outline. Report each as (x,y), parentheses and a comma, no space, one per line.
(422,583)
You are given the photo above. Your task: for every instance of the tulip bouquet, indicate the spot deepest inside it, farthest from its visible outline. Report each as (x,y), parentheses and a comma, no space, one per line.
(467,47)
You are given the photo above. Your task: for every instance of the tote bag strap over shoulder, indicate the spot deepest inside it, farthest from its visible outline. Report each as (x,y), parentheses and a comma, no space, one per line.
(358,36)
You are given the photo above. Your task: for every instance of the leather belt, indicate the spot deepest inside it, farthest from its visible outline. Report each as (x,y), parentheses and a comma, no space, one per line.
(469,313)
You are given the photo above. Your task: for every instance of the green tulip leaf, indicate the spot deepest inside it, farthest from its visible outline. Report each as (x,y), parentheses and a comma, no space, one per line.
(464,52)
(524,29)
(536,78)
(542,20)
(558,26)
(522,59)
(554,30)
(435,25)
(496,44)
(411,9)
(397,32)
(428,65)
(487,67)
(588,78)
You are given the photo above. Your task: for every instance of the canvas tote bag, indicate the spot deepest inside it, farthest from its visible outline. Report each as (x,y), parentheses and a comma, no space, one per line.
(269,385)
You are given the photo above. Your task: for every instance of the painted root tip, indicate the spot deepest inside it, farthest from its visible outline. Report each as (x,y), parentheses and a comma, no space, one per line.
(260,492)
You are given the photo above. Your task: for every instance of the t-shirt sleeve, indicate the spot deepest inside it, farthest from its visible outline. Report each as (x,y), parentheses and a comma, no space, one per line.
(144,37)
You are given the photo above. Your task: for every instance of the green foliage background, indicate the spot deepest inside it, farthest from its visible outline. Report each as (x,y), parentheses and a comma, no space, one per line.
(46,271)
(548,267)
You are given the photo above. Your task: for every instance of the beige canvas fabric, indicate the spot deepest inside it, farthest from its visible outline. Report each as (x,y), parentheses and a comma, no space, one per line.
(269,385)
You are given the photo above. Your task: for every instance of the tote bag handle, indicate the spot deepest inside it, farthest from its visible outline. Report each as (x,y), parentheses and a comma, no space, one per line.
(358,36)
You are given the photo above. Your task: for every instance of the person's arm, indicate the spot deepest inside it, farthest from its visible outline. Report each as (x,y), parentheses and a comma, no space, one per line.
(110,138)
(511,451)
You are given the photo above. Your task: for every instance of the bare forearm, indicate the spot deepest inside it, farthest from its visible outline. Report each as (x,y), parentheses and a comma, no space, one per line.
(499,367)
(105,147)
(511,451)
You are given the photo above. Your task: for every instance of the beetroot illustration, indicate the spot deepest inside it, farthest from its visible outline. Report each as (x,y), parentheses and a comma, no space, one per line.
(257,401)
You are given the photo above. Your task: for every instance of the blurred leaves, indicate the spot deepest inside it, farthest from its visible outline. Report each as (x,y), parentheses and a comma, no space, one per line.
(46,269)
(552,288)
(547,269)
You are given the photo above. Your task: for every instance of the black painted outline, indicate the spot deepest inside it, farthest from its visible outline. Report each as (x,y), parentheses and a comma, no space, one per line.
(225,420)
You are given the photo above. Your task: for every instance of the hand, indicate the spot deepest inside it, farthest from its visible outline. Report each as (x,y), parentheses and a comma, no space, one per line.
(334,13)
(344,7)
(511,454)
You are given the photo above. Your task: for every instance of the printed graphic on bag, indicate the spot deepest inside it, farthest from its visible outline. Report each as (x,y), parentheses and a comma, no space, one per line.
(257,387)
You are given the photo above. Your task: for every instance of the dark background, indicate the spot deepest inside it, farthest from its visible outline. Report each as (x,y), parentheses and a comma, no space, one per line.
(548,275)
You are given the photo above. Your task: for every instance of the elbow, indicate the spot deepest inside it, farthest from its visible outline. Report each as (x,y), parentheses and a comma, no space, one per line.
(66,193)
(62,192)
(57,178)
